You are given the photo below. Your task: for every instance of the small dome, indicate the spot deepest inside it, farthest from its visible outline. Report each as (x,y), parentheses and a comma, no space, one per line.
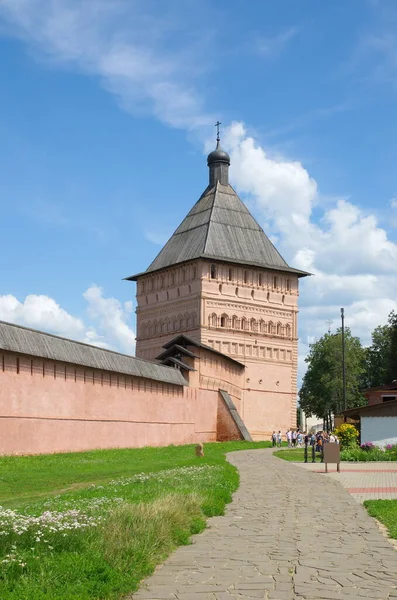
(218,155)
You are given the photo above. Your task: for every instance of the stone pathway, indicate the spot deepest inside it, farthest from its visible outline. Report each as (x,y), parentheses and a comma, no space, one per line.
(365,481)
(288,534)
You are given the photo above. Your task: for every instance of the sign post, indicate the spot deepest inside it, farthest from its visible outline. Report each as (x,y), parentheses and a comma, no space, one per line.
(331,455)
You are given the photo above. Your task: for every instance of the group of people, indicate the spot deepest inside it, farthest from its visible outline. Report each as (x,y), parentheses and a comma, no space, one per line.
(298,439)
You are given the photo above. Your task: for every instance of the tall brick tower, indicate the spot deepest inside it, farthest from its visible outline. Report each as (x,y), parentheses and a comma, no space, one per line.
(220,281)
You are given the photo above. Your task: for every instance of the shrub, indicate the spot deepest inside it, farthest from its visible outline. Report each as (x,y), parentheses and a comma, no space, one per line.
(347,435)
(365,455)
(391,451)
(367,446)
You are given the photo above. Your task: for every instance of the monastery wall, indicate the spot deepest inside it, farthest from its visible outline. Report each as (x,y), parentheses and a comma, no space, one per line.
(48,406)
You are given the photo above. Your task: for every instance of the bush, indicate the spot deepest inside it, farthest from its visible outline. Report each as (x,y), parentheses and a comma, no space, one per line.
(347,435)
(367,446)
(391,450)
(367,454)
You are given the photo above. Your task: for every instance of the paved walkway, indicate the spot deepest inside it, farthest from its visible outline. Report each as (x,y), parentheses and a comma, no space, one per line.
(365,481)
(288,534)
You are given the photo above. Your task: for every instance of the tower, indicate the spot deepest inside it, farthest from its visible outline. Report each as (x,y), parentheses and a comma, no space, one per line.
(220,281)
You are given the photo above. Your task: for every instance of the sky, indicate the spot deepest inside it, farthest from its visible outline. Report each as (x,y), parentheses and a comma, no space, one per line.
(107,111)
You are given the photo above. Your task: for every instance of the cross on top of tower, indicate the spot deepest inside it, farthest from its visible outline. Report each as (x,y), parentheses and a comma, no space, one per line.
(218,139)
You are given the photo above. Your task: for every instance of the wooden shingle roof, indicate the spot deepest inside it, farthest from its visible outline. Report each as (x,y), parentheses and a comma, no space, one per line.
(220,227)
(23,340)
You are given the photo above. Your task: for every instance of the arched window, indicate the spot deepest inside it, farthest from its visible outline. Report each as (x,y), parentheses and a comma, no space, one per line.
(288,330)
(220,288)
(252,293)
(213,272)
(244,324)
(223,321)
(274,282)
(262,326)
(270,327)
(236,291)
(253,324)
(234,322)
(268,296)
(288,286)
(260,279)
(245,277)
(278,328)
(283,299)
(230,274)
(214,320)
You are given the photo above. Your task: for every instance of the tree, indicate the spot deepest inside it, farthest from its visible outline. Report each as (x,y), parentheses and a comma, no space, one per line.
(381,356)
(321,393)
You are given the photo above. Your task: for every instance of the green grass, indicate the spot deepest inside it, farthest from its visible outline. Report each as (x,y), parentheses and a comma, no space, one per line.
(348,455)
(386,512)
(135,506)
(294,455)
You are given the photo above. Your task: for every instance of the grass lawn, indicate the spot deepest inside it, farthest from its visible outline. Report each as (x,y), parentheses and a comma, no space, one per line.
(295,455)
(386,512)
(92,525)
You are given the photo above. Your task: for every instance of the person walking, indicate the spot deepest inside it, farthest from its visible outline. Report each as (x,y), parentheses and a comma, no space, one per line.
(289,438)
(299,439)
(294,436)
(279,439)
(274,439)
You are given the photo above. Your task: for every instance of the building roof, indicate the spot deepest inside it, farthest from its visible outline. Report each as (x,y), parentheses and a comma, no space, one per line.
(383,388)
(185,340)
(23,340)
(356,413)
(220,227)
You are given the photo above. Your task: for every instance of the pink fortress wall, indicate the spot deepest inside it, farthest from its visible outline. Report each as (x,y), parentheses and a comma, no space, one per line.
(48,406)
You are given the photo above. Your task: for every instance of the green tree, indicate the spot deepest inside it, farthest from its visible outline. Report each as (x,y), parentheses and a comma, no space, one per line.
(321,393)
(381,356)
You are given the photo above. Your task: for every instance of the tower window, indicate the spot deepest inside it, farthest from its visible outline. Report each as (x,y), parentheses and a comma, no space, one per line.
(260,279)
(230,274)
(223,321)
(245,276)
(275,282)
(213,272)
(288,285)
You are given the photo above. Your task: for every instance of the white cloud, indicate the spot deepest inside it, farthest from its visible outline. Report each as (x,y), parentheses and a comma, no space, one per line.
(122,42)
(353,261)
(272,46)
(108,319)
(40,312)
(111,316)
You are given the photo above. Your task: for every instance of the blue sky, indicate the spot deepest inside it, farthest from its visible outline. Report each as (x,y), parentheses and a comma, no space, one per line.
(107,112)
